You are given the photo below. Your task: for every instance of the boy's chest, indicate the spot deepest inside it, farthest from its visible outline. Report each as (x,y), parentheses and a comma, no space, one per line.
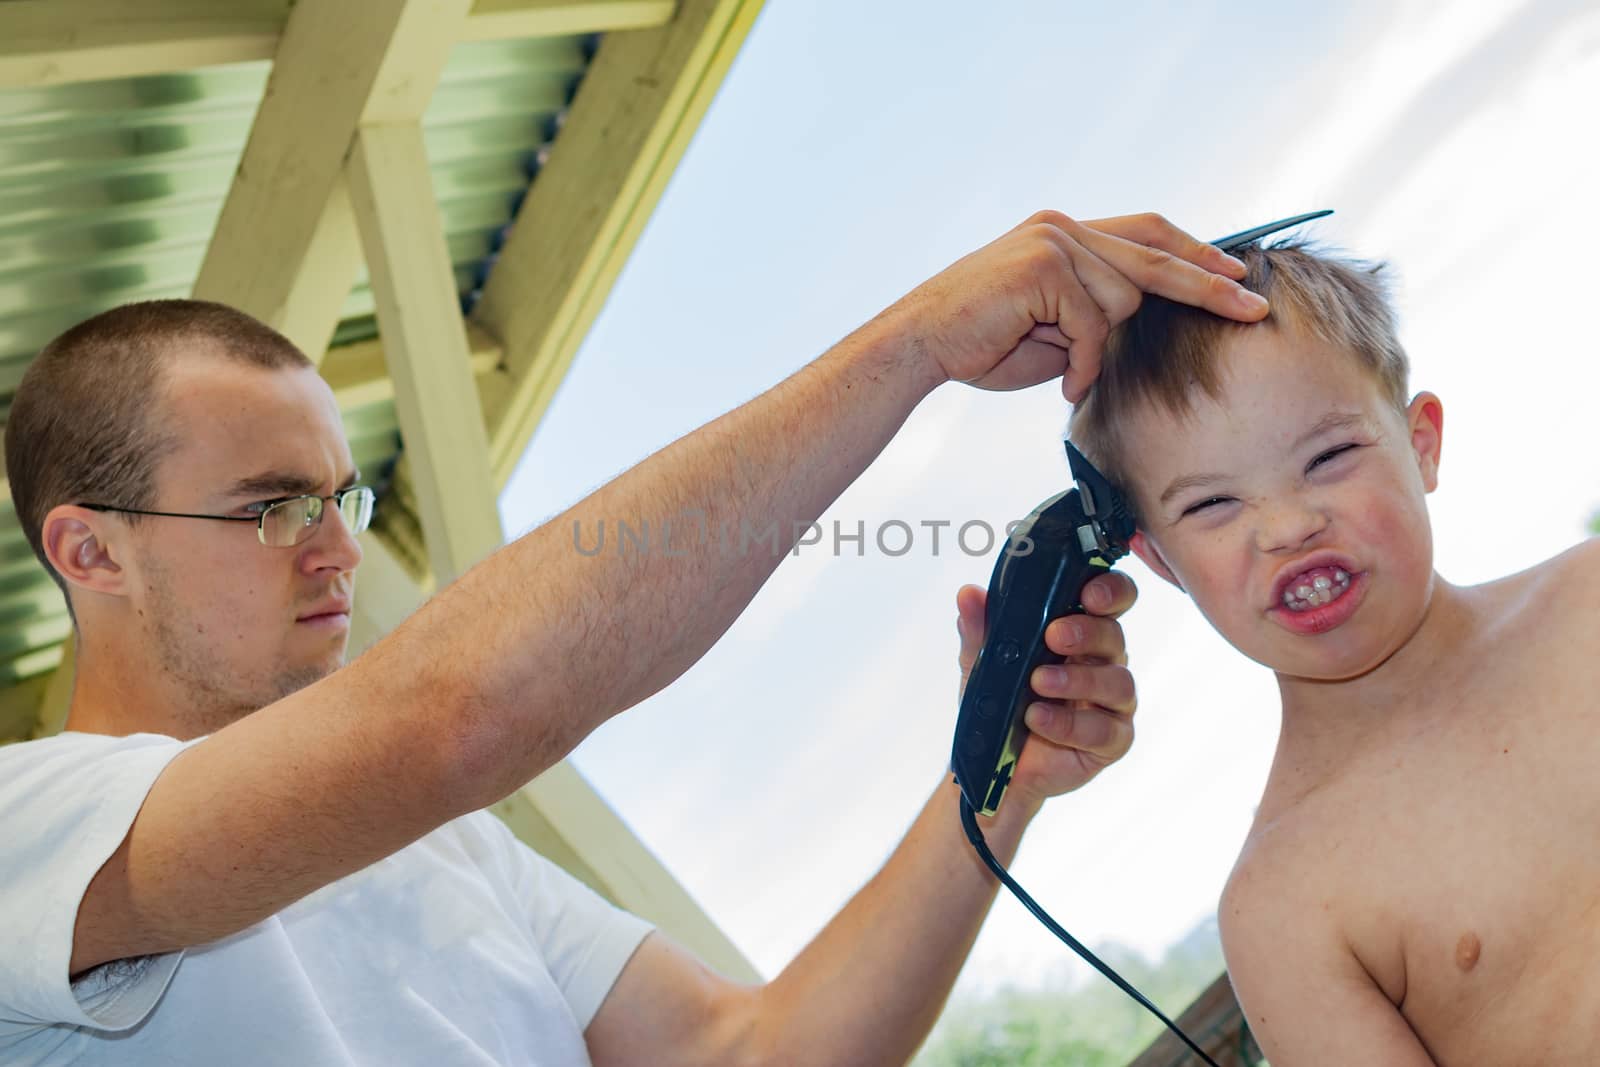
(1481,905)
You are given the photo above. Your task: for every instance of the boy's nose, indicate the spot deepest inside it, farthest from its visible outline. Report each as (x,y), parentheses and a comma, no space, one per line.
(1288,525)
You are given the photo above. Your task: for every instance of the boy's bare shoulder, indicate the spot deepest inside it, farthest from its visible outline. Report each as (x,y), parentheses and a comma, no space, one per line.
(1570,580)
(1578,569)
(1286,918)
(1555,603)
(1280,870)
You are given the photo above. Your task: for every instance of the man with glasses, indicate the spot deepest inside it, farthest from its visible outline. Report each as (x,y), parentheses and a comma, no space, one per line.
(240,853)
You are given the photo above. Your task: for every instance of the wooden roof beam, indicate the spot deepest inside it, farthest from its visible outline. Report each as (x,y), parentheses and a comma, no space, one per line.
(53,42)
(286,248)
(635,112)
(425,345)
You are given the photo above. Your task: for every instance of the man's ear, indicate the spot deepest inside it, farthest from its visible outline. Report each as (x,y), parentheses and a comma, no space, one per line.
(1146,550)
(82,547)
(1425,421)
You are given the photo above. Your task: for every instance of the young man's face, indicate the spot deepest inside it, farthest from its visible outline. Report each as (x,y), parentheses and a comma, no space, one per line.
(239,623)
(1303,482)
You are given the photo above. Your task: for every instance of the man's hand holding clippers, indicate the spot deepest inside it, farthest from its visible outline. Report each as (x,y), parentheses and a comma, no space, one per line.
(1085,721)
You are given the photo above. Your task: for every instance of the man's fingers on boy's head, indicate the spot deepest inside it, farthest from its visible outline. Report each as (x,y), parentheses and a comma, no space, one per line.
(1081,327)
(1112,292)
(1152,229)
(1155,270)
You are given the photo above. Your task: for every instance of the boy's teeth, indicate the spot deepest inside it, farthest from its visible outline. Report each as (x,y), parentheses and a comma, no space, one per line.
(1319,591)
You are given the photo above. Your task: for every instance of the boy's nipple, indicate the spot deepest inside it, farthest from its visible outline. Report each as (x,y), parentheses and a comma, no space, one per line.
(1467,951)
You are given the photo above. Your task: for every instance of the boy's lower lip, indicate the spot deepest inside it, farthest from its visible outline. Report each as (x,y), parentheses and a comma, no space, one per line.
(1320,620)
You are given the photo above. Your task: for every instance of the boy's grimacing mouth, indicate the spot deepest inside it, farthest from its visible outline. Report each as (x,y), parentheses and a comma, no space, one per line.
(1315,581)
(1316,587)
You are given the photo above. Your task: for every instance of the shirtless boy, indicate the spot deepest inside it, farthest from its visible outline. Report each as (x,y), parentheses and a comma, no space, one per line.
(1421,884)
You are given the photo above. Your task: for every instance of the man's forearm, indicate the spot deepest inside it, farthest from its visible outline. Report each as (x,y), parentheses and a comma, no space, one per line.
(871,985)
(548,638)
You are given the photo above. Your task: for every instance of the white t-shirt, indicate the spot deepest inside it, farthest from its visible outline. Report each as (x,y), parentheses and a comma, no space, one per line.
(464,948)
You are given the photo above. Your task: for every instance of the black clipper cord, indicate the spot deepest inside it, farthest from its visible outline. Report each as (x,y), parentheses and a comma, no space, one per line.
(969,823)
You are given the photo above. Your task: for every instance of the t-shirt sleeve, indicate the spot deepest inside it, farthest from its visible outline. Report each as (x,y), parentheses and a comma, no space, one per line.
(66,804)
(586,940)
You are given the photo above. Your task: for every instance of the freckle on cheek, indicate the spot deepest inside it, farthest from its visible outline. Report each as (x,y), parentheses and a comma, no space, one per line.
(1468,949)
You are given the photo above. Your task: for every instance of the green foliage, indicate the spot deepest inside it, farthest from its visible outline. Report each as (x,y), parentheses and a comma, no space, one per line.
(1594,524)
(1089,1023)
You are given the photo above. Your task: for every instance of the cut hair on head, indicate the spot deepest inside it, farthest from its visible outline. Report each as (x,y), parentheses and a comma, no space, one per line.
(1168,350)
(87,422)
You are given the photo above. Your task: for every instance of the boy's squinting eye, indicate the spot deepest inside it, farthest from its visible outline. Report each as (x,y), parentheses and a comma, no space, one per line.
(261,505)
(1330,454)
(1204,504)
(1211,502)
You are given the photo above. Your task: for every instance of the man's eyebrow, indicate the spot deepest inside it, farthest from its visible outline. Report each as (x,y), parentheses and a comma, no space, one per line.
(1333,420)
(283,483)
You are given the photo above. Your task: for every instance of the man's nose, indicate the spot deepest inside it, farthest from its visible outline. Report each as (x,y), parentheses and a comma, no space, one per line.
(1289,524)
(333,546)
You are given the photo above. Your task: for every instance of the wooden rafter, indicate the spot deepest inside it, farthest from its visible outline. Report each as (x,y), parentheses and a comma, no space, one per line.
(436,398)
(1216,1023)
(633,117)
(52,42)
(56,699)
(285,248)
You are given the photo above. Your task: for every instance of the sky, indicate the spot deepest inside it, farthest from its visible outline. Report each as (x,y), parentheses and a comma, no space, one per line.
(856,149)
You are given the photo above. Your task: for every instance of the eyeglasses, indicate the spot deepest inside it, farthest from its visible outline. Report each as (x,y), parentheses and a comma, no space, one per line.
(284,523)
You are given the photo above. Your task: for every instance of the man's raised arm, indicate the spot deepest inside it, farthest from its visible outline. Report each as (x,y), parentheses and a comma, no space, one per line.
(502,673)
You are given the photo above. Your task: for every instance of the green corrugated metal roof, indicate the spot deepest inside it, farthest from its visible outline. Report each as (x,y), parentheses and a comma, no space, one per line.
(109,192)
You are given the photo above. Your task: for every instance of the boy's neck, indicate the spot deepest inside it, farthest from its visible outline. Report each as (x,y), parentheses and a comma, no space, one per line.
(1327,723)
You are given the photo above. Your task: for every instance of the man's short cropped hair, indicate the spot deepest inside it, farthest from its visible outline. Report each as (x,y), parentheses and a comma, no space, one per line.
(88,424)
(1167,350)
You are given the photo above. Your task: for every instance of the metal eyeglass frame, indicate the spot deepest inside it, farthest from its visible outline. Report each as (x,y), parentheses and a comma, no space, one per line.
(313,519)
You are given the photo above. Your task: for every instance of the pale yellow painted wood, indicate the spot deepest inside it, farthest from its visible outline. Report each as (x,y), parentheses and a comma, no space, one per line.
(494,20)
(425,344)
(19,708)
(359,376)
(53,42)
(385,594)
(57,699)
(635,112)
(626,872)
(285,248)
(313,302)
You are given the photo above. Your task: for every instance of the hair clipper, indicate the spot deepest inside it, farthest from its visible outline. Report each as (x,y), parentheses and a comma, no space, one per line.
(1047,560)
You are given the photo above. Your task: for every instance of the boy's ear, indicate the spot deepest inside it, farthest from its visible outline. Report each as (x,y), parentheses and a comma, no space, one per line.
(1425,422)
(78,544)
(1146,550)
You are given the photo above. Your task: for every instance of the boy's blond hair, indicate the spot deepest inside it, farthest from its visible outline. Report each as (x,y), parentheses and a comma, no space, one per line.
(1167,349)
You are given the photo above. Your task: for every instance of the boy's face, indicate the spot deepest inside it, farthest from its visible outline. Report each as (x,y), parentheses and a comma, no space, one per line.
(1303,482)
